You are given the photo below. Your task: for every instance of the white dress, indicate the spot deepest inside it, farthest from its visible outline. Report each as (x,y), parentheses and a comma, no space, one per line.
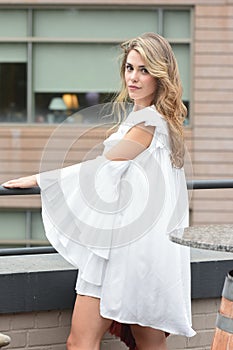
(112,220)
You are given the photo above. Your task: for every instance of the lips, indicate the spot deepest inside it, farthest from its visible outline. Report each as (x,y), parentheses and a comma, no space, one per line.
(133,87)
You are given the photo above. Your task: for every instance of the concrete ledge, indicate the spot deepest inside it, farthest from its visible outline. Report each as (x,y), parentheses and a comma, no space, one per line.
(47,282)
(36,283)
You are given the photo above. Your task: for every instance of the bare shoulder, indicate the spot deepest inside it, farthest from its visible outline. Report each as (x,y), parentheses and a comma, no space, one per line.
(141,133)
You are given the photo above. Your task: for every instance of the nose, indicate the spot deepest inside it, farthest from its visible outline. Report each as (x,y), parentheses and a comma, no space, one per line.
(134,75)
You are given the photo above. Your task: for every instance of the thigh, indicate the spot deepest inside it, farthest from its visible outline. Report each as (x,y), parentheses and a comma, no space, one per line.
(87,323)
(148,337)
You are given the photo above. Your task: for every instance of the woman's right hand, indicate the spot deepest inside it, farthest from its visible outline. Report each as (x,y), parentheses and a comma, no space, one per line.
(22,182)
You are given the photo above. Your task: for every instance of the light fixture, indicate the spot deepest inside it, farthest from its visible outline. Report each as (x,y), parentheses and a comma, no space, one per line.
(57,104)
(71,101)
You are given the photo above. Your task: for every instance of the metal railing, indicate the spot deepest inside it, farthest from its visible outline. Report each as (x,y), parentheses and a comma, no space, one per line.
(191,185)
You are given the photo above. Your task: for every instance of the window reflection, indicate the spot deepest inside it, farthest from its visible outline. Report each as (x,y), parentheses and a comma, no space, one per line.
(57,107)
(13,92)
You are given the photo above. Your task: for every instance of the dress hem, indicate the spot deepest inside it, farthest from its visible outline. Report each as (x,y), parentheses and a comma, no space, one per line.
(145,325)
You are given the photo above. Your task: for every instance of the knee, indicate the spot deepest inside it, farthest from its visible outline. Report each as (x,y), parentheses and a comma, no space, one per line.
(73,343)
(81,343)
(70,343)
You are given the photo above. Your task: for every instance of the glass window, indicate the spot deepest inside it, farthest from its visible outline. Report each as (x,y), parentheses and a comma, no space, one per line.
(182,54)
(12,228)
(13,52)
(13,81)
(37,228)
(93,24)
(79,67)
(13,23)
(57,107)
(88,66)
(176,24)
(21,228)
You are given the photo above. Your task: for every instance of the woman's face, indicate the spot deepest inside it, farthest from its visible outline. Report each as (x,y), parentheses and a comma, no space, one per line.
(140,84)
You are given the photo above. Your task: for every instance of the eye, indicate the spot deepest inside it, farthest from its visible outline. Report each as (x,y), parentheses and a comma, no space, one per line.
(128,67)
(144,70)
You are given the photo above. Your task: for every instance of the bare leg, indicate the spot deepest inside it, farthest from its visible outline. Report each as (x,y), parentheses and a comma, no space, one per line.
(148,338)
(88,326)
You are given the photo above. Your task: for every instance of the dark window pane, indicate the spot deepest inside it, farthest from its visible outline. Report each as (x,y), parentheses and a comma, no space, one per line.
(56,107)
(13,92)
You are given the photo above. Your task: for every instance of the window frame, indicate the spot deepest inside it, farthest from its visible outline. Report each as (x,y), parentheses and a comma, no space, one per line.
(30,40)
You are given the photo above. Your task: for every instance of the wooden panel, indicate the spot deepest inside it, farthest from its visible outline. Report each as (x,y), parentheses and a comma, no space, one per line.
(214,59)
(213,194)
(213,132)
(214,71)
(222,170)
(21,151)
(219,205)
(214,11)
(211,217)
(214,96)
(212,120)
(206,145)
(213,22)
(214,47)
(214,34)
(222,83)
(26,202)
(213,110)
(214,157)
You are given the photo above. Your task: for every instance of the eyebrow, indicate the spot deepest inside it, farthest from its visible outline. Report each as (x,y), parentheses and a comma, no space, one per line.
(130,64)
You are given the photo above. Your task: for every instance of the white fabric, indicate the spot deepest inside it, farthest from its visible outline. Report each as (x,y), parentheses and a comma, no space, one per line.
(112,220)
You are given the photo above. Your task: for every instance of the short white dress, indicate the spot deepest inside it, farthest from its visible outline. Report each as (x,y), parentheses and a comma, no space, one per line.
(112,220)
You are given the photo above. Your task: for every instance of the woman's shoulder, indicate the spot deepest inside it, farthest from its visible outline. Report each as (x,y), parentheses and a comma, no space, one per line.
(148,115)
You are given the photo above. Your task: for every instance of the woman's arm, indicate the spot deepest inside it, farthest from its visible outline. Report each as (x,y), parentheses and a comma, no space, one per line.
(22,182)
(135,141)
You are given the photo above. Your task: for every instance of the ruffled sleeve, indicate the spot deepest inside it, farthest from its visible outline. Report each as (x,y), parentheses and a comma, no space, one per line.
(99,204)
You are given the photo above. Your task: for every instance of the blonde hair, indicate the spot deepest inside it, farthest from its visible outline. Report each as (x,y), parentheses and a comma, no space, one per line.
(161,63)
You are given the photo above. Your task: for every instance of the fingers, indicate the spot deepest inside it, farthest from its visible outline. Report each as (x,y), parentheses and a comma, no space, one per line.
(12,184)
(22,182)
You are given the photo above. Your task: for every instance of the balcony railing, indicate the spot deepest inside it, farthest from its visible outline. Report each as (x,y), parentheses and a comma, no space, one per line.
(191,185)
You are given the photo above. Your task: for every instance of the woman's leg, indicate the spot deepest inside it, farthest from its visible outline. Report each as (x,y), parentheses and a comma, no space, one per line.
(148,338)
(88,326)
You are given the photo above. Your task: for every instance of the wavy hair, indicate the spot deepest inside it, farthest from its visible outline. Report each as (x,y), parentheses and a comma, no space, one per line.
(161,63)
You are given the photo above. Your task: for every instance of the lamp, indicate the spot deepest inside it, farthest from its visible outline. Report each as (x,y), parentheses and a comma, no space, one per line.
(71,101)
(57,104)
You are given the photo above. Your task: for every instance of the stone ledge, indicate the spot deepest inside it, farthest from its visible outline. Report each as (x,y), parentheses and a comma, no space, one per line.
(47,282)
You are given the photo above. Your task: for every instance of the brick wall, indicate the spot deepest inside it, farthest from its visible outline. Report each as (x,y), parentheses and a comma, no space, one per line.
(212,120)
(48,330)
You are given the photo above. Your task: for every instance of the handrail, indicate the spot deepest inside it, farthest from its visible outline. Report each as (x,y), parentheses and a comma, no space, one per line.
(18,191)
(191,184)
(27,251)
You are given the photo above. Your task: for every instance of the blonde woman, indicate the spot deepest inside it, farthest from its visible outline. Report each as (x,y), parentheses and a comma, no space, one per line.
(111,216)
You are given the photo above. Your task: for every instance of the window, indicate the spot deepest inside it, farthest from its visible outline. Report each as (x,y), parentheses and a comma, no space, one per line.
(23,228)
(73,51)
(13,81)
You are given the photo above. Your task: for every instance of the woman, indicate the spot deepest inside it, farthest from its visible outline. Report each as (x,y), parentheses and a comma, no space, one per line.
(132,280)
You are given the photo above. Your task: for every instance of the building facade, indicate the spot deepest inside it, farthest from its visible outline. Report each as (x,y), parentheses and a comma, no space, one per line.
(58,57)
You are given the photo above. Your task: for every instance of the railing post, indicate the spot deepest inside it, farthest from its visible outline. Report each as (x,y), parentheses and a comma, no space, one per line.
(4,340)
